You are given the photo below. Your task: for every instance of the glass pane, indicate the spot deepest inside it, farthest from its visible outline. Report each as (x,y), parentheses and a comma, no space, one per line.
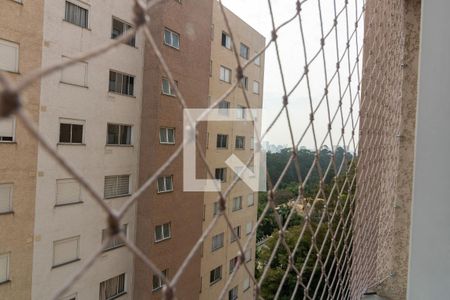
(112,81)
(169,183)
(125,135)
(171,135)
(166,86)
(64,133)
(162,135)
(158,233)
(161,186)
(175,40)
(130,85)
(166,229)
(77,133)
(113,134)
(167,37)
(117,28)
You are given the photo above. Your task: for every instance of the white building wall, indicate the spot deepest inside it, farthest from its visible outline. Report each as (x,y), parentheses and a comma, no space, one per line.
(97,107)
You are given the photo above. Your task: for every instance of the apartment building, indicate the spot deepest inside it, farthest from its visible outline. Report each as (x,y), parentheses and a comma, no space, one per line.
(169,221)
(91,113)
(20,52)
(220,250)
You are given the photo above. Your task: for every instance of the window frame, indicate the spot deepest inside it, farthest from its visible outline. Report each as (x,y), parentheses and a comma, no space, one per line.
(119,135)
(227,39)
(163,236)
(225,71)
(161,283)
(171,91)
(249,227)
(10,200)
(81,8)
(118,293)
(224,107)
(159,191)
(166,132)
(222,174)
(226,141)
(172,33)
(233,293)
(256,83)
(72,122)
(130,86)
(247,48)
(13,133)
(116,195)
(67,203)
(61,241)
(244,82)
(132,40)
(16,46)
(238,232)
(239,207)
(8,266)
(232,264)
(218,237)
(214,272)
(250,203)
(242,138)
(114,242)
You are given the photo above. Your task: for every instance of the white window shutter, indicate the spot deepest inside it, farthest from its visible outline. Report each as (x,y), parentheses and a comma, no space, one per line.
(67,191)
(5,197)
(9,56)
(4,267)
(75,74)
(7,127)
(65,250)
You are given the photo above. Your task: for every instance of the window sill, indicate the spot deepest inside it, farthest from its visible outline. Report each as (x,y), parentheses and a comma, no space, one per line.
(8,142)
(166,143)
(66,263)
(221,148)
(5,282)
(119,94)
(117,296)
(67,22)
(70,144)
(168,95)
(7,213)
(74,84)
(113,248)
(215,281)
(119,196)
(172,47)
(217,249)
(164,192)
(240,149)
(227,82)
(68,204)
(126,44)
(162,240)
(154,290)
(120,145)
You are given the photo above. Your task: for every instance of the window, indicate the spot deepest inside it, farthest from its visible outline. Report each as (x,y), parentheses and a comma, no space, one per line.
(216,208)
(244,51)
(66,251)
(4,267)
(116,186)
(250,200)
(70,297)
(76,15)
(233,263)
(115,241)
(113,287)
(246,284)
(215,275)
(225,74)
(223,107)
(217,241)
(171,38)
(244,82)
(222,141)
(221,174)
(162,232)
(167,135)
(248,228)
(121,83)
(167,88)
(240,113)
(237,203)
(67,191)
(118,134)
(9,56)
(76,74)
(226,40)
(6,198)
(248,255)
(7,126)
(158,282)
(237,233)
(256,87)
(165,184)
(233,293)
(240,142)
(120,27)
(71,131)
(258,60)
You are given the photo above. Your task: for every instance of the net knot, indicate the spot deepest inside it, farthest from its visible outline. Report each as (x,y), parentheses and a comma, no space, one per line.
(239,73)
(285,100)
(168,292)
(9,102)
(140,16)
(274,35)
(298,6)
(113,225)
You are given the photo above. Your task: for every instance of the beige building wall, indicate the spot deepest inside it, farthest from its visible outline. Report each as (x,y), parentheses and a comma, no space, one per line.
(20,23)
(221,56)
(81,94)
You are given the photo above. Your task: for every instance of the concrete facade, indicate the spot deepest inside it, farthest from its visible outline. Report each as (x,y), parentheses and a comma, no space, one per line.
(222,56)
(18,158)
(189,64)
(92,103)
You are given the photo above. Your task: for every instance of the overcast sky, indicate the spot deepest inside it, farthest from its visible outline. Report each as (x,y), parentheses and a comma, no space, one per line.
(256,13)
